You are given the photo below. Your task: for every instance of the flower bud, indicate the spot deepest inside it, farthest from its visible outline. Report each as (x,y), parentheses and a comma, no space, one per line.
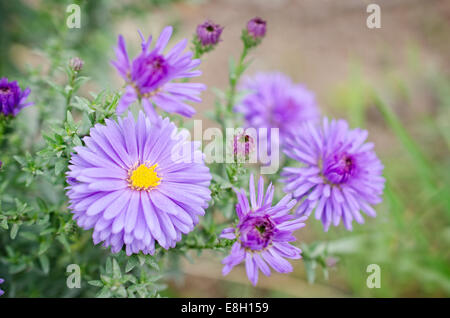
(76,64)
(243,145)
(209,33)
(256,27)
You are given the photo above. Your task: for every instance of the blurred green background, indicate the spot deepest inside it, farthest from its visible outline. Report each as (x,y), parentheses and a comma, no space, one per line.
(393,81)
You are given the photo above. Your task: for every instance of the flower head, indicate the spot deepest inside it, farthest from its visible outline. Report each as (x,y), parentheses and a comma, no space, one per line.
(256,27)
(263,233)
(12,98)
(76,64)
(135,183)
(274,101)
(1,282)
(209,33)
(341,175)
(150,76)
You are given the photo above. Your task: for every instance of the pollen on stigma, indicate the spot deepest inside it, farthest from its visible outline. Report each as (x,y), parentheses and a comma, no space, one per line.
(144,177)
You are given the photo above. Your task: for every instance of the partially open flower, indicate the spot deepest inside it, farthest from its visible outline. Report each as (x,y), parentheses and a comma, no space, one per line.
(256,27)
(76,64)
(209,33)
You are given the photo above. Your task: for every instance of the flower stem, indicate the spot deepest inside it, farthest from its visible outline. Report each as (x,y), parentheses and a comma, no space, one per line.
(234,79)
(213,245)
(69,95)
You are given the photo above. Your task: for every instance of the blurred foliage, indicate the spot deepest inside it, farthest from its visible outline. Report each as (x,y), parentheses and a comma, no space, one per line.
(410,237)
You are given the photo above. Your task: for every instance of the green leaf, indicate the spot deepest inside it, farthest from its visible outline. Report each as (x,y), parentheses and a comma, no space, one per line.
(108,266)
(96,283)
(63,240)
(310,267)
(104,293)
(116,269)
(4,223)
(45,264)
(42,204)
(14,231)
(17,268)
(132,262)
(151,262)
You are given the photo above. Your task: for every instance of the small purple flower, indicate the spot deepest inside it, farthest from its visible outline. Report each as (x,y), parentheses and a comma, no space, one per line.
(12,98)
(150,76)
(263,233)
(256,27)
(209,33)
(341,174)
(137,183)
(274,101)
(76,64)
(1,282)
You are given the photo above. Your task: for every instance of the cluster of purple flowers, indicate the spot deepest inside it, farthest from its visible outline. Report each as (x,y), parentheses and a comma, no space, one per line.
(340,174)
(141,182)
(126,185)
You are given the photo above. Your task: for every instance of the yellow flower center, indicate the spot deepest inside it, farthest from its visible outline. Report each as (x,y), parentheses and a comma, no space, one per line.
(144,178)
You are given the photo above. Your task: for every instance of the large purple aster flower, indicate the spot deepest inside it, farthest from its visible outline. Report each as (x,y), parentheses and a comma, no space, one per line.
(12,98)
(139,182)
(150,76)
(263,233)
(275,102)
(341,174)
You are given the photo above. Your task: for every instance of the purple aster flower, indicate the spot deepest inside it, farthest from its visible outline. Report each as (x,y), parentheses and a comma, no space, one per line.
(263,233)
(256,27)
(341,175)
(209,33)
(150,76)
(135,183)
(275,102)
(1,282)
(12,98)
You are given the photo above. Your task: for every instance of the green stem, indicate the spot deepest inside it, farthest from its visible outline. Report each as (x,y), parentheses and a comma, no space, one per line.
(234,79)
(214,245)
(69,94)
